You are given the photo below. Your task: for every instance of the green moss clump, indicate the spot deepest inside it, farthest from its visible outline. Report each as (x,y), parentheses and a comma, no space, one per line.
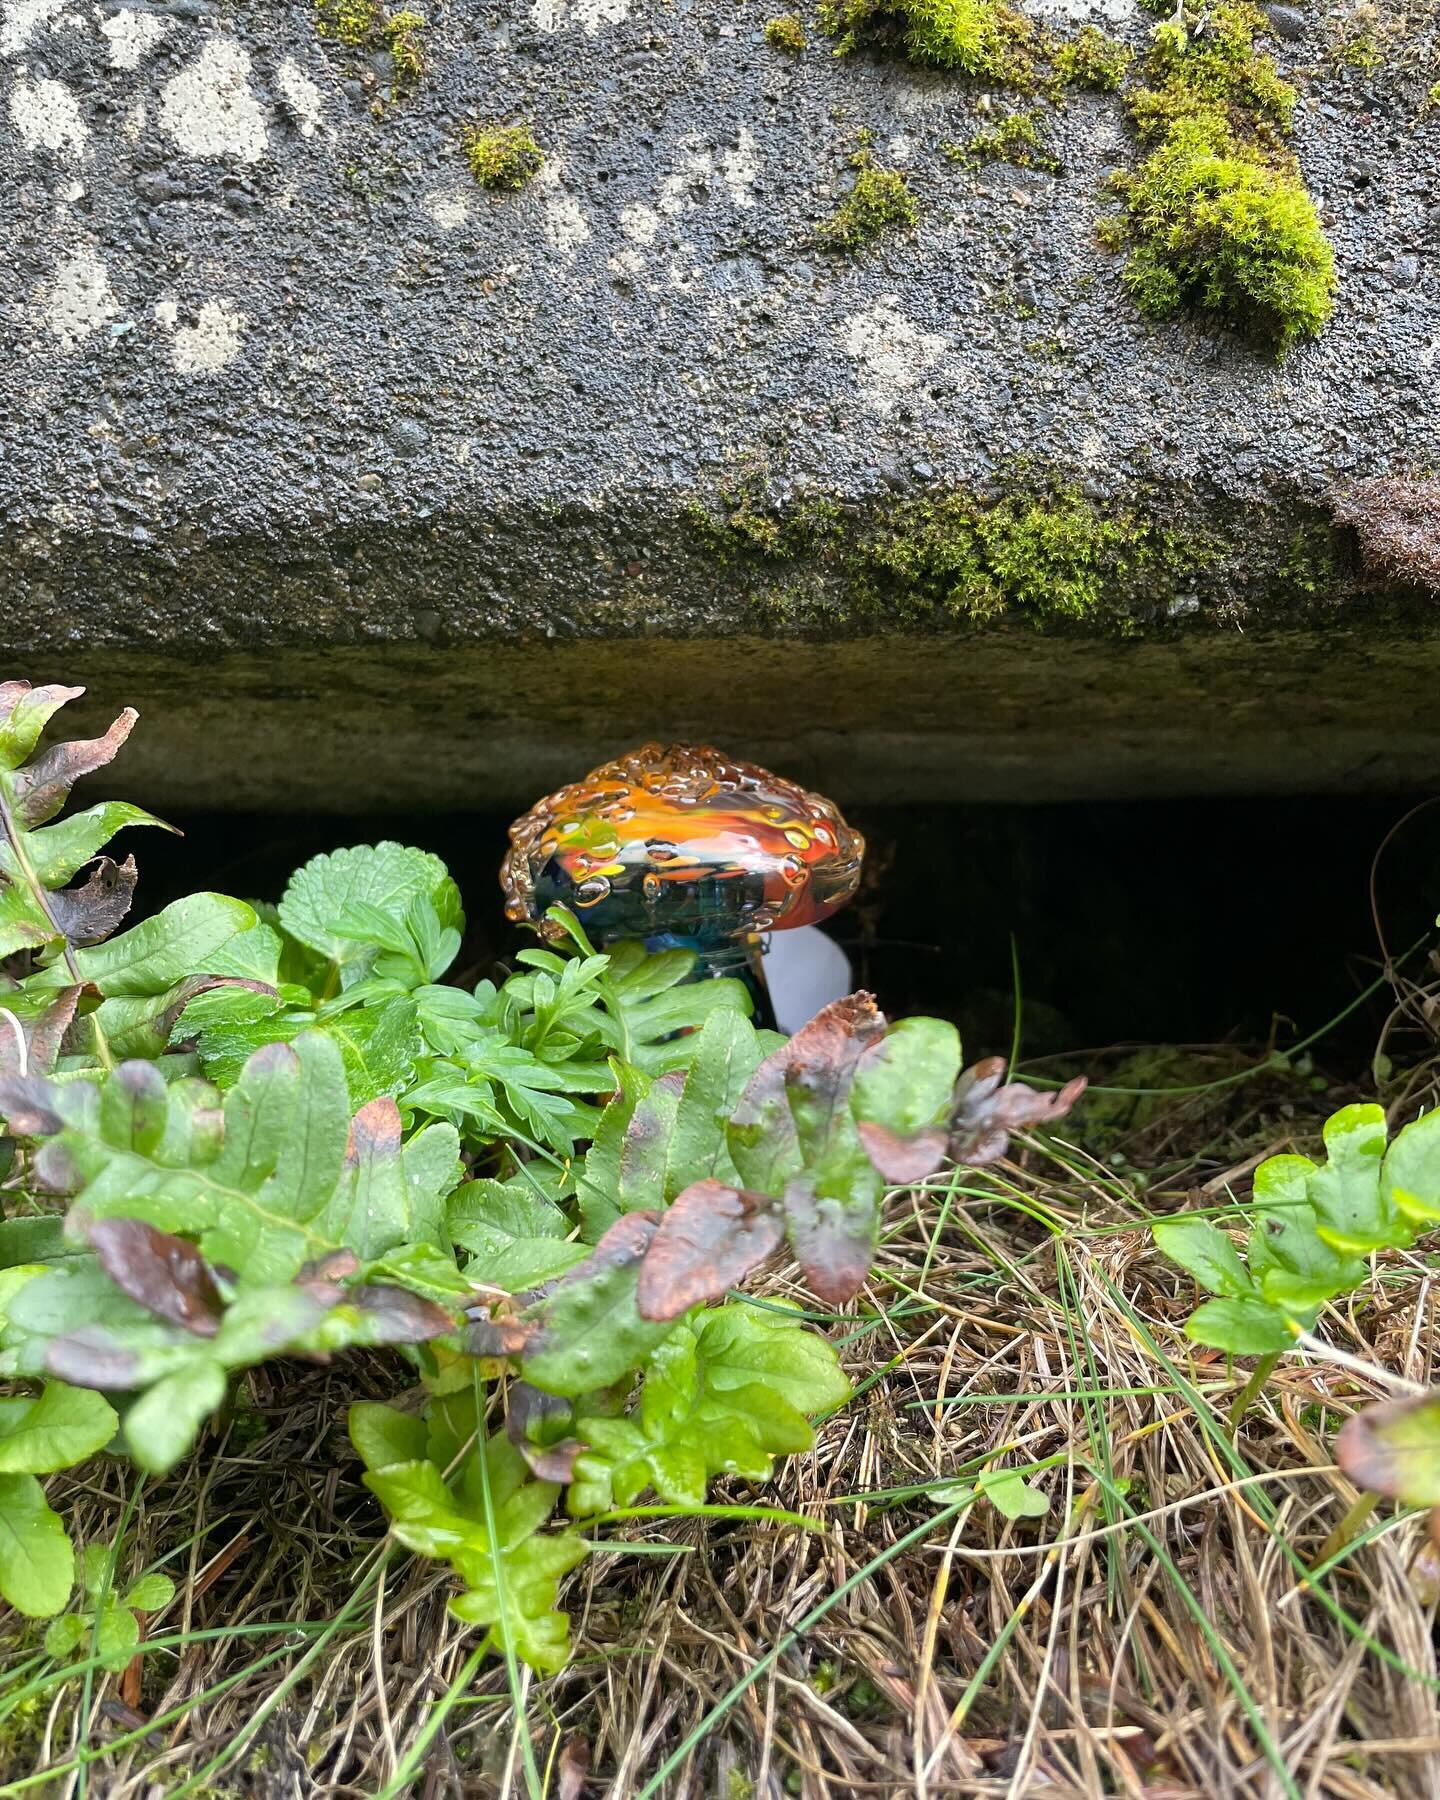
(1015,140)
(984,38)
(351,22)
(785,33)
(879,201)
(1048,555)
(1217,216)
(402,37)
(1362,52)
(367,25)
(1092,60)
(1040,551)
(502,156)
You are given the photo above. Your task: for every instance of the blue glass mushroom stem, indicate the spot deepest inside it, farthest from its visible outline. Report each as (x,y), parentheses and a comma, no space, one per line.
(738,958)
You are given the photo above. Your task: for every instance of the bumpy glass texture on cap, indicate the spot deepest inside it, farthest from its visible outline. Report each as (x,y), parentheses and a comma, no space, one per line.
(684,841)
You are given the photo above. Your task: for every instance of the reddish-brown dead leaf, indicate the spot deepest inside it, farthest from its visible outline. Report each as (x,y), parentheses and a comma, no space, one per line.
(833,1240)
(167,1276)
(39,1038)
(92,1356)
(903,1158)
(986,1112)
(27,1105)
(374,1131)
(1394,1449)
(486,1335)
(335,1265)
(42,787)
(823,1052)
(89,913)
(710,1239)
(574,1769)
(400,1317)
(647,1137)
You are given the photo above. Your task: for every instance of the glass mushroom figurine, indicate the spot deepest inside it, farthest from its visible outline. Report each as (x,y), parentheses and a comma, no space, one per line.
(683,847)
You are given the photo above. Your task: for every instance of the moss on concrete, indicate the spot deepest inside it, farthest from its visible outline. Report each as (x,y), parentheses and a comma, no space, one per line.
(986,39)
(1217,216)
(1040,552)
(879,200)
(370,25)
(785,33)
(1015,139)
(502,156)
(1092,60)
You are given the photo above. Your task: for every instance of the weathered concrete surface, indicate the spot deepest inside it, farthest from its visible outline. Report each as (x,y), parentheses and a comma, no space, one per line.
(336,465)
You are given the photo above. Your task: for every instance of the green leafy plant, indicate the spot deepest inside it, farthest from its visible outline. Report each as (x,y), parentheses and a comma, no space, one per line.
(237,1133)
(1312,1226)
(53,1430)
(106,1621)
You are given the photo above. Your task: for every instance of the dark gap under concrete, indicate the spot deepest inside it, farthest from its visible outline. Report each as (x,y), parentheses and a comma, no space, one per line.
(1164,922)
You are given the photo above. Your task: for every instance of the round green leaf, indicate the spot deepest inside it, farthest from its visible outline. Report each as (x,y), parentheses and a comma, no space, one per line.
(63,1427)
(37,1563)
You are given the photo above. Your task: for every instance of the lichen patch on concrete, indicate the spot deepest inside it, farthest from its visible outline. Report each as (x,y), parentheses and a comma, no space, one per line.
(590,15)
(894,353)
(566,226)
(302,96)
(78,299)
(132,36)
(22,19)
(208,108)
(449,208)
(47,116)
(212,343)
(740,169)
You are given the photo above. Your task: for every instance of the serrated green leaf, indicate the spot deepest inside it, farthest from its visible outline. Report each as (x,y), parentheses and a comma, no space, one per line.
(1410,1174)
(152,956)
(60,1428)
(58,852)
(726,1054)
(162,1424)
(725,1394)
(743,1344)
(40,1239)
(387,876)
(588,1330)
(1293,1266)
(37,1563)
(1205,1252)
(251,955)
(117,1635)
(646,1149)
(598,1184)
(1244,1327)
(63,1635)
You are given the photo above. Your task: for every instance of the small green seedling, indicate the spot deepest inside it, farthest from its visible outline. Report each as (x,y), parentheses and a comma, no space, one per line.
(1312,1228)
(105,1617)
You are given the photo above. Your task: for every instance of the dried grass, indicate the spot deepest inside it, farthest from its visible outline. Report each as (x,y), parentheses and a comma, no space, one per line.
(1157,1633)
